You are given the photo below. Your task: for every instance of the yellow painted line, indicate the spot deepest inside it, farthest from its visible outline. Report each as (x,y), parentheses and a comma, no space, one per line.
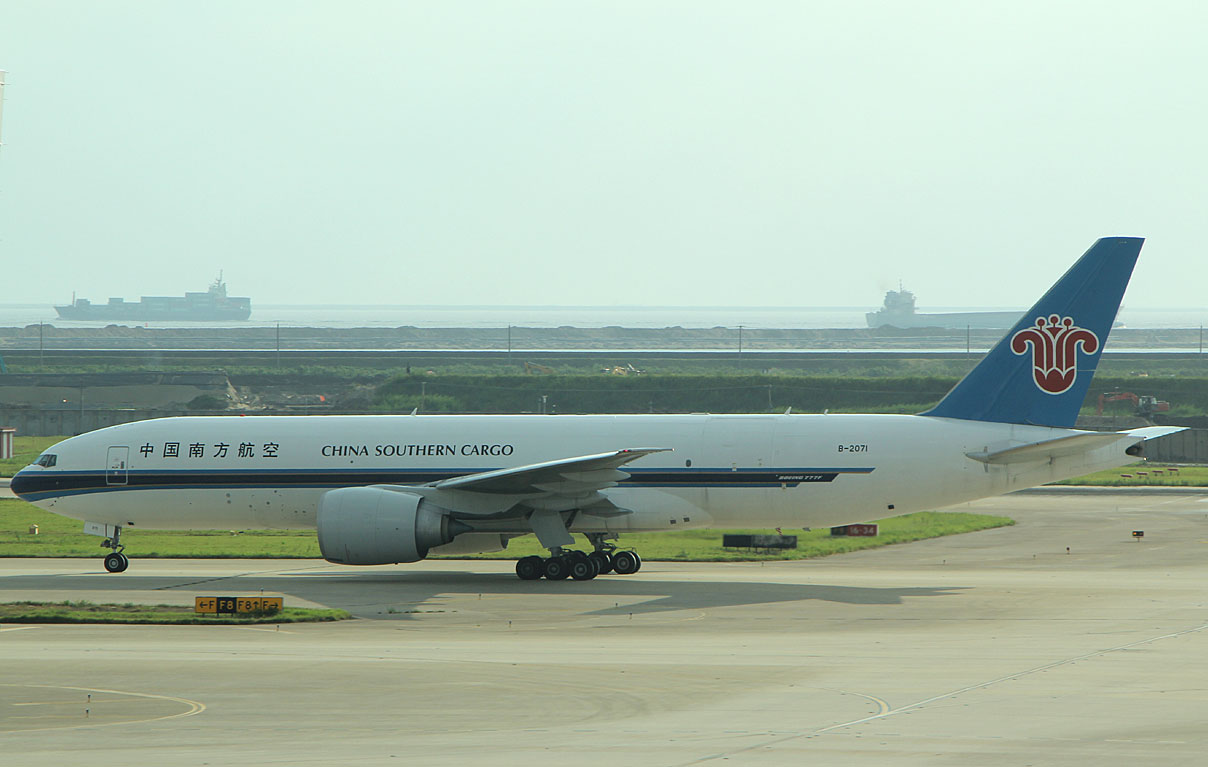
(66,702)
(194,707)
(20,628)
(882,705)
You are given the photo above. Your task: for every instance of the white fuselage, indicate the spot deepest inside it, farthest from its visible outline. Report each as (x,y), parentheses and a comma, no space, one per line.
(723,470)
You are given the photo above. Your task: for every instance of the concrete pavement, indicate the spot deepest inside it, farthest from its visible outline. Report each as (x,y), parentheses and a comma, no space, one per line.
(1062,640)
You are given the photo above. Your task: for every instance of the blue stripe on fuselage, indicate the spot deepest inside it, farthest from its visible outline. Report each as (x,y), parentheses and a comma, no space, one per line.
(41,485)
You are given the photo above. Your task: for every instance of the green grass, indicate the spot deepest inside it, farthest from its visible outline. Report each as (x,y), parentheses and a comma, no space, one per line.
(25,450)
(88,612)
(1186,476)
(62,537)
(705,545)
(1140,370)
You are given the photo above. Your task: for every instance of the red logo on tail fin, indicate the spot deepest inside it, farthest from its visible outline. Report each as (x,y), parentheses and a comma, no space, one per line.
(1054,341)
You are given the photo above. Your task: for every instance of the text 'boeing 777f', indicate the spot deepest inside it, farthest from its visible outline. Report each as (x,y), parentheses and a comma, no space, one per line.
(389,489)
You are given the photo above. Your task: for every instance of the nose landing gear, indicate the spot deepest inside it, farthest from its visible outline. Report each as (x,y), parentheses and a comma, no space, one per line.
(115,562)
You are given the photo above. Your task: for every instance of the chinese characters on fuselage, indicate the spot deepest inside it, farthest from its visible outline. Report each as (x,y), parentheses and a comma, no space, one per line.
(216,450)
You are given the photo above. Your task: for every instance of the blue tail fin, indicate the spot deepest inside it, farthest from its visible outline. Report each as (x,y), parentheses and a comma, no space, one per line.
(1039,372)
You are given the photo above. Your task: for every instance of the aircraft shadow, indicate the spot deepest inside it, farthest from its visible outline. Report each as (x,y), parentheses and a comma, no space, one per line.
(355,591)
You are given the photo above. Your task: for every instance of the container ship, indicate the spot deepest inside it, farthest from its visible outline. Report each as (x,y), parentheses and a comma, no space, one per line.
(212,305)
(898,311)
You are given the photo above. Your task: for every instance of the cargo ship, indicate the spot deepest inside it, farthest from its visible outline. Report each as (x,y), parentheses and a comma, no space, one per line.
(898,311)
(210,306)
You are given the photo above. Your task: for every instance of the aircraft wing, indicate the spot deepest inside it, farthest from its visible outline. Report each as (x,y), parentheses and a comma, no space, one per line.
(1071,445)
(560,485)
(573,475)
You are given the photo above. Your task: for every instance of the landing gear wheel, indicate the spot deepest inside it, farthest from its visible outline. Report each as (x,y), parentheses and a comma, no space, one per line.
(626,562)
(602,560)
(117,561)
(530,568)
(556,569)
(583,569)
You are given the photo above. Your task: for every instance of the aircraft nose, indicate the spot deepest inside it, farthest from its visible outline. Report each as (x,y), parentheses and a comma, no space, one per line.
(23,483)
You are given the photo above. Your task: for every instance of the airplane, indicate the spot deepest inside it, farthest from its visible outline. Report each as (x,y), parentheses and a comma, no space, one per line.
(388,489)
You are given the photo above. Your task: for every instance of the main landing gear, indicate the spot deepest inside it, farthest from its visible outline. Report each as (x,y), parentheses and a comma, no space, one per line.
(568,563)
(115,562)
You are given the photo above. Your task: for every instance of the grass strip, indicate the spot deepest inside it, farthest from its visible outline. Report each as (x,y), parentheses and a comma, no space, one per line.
(25,451)
(61,537)
(1144,475)
(89,612)
(64,537)
(705,545)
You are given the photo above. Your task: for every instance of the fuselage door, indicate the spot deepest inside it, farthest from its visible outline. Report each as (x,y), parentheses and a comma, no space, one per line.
(740,442)
(117,466)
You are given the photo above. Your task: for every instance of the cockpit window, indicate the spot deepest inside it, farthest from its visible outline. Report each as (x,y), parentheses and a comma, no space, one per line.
(46,460)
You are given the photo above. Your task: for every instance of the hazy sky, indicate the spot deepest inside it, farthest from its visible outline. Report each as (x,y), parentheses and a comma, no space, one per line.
(566,152)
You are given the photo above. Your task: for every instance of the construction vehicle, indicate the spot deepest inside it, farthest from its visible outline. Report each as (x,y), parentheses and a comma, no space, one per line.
(1144,405)
(623,370)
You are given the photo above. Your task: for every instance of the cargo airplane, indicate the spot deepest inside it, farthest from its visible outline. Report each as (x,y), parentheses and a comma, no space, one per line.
(384,489)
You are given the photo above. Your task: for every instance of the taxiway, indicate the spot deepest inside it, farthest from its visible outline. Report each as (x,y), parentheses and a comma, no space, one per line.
(1061,640)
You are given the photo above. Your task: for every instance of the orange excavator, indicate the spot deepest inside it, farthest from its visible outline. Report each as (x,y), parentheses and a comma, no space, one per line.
(1145,405)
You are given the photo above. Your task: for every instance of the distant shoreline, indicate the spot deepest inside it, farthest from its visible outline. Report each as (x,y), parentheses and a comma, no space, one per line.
(586,317)
(566,338)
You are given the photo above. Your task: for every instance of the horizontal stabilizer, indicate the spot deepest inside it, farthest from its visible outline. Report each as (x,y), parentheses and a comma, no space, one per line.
(1150,432)
(1074,444)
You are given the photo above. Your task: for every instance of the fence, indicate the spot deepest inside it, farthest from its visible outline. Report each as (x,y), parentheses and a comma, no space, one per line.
(1189,446)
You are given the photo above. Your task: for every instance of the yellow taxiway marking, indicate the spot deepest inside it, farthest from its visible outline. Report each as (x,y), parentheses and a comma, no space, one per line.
(19,628)
(64,702)
(194,707)
(883,706)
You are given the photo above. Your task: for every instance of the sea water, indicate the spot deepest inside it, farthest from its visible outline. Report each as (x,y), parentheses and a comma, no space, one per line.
(347,316)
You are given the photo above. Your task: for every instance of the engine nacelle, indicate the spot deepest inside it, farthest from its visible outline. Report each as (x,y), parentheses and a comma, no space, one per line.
(472,543)
(373,526)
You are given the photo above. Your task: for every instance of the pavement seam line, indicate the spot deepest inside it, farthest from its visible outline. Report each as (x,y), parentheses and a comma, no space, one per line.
(945,696)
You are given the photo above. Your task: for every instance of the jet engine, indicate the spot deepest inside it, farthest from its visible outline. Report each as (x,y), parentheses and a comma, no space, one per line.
(473,543)
(376,526)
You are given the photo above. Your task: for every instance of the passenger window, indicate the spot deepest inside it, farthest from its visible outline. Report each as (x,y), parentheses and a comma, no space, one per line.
(46,460)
